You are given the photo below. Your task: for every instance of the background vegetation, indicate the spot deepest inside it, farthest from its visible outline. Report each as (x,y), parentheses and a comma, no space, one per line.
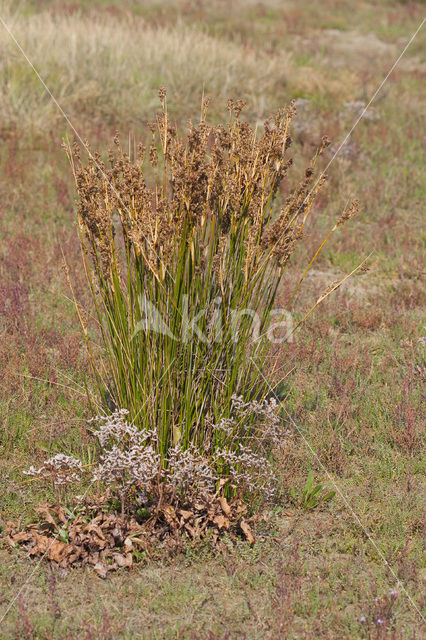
(351,378)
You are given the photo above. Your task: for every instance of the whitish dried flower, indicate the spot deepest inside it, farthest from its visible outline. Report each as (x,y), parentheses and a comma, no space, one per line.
(270,428)
(137,466)
(113,429)
(247,469)
(226,425)
(188,469)
(61,469)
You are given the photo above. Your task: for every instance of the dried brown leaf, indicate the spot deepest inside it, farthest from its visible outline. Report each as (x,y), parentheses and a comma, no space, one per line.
(22,536)
(93,528)
(169,514)
(60,513)
(58,551)
(41,544)
(74,557)
(119,559)
(225,506)
(245,528)
(128,545)
(222,522)
(43,510)
(10,527)
(186,515)
(101,570)
(93,558)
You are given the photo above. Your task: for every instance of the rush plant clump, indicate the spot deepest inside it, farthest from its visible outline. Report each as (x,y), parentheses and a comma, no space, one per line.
(184,248)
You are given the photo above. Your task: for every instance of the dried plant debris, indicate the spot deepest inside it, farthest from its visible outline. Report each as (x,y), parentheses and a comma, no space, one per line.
(106,541)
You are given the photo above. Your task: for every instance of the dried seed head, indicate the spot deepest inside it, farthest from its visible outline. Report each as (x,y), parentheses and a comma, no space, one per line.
(349,213)
(331,287)
(215,172)
(153,154)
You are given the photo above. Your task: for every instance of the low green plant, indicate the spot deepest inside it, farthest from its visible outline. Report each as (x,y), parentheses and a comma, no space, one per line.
(311,496)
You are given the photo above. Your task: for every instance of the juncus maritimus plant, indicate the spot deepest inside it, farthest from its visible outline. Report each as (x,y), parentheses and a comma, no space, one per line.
(181,268)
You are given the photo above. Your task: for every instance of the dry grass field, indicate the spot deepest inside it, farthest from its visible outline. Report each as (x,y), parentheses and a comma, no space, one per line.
(352,377)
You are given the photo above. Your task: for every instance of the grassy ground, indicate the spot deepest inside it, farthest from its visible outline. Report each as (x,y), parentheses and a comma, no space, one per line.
(353,373)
